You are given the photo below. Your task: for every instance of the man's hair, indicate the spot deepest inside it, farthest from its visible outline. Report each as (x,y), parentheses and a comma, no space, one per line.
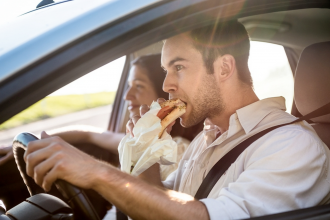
(224,38)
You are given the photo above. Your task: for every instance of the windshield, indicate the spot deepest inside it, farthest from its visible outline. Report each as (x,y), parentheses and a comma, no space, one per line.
(28,38)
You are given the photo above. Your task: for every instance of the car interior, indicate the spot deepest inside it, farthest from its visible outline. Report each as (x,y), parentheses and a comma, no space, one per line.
(305,37)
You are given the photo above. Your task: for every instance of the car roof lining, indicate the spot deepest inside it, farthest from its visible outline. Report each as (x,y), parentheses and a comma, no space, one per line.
(303,27)
(284,28)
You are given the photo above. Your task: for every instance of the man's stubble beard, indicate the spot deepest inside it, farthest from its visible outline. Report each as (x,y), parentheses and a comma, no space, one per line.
(207,104)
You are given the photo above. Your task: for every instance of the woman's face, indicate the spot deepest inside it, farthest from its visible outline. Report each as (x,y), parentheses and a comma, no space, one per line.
(140,90)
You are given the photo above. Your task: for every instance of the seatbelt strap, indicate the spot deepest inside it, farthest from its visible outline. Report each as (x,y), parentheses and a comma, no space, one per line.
(120,215)
(224,163)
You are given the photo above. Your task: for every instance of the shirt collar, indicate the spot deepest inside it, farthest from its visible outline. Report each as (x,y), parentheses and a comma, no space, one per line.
(247,115)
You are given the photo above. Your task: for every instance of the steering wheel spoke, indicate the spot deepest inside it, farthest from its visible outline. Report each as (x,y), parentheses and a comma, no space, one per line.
(79,202)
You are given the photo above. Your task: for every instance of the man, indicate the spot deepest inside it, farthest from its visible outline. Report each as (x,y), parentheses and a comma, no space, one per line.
(207,69)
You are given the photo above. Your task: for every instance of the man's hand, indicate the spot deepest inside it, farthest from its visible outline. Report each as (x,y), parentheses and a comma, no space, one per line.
(144,109)
(6,154)
(51,158)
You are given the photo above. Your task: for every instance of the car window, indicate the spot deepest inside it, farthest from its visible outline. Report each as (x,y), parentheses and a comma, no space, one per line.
(85,101)
(271,72)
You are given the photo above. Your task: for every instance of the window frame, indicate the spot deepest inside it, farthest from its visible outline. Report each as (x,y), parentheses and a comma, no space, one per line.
(122,37)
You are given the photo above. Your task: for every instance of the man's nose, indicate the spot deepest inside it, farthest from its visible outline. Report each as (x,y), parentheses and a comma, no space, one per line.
(170,84)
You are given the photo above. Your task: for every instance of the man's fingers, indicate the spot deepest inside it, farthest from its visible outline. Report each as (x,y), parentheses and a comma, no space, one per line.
(161,100)
(50,178)
(41,170)
(36,157)
(169,127)
(144,109)
(39,144)
(44,135)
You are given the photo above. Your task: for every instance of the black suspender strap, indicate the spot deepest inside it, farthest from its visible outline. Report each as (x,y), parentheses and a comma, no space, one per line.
(224,163)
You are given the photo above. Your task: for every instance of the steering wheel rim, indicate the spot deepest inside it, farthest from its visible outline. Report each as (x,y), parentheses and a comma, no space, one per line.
(83,209)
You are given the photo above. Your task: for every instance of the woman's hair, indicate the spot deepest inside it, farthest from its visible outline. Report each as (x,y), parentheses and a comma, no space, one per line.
(156,75)
(155,72)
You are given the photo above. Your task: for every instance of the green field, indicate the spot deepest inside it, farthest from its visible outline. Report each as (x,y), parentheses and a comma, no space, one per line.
(52,106)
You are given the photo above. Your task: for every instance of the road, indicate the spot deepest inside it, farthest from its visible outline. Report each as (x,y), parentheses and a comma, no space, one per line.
(97,117)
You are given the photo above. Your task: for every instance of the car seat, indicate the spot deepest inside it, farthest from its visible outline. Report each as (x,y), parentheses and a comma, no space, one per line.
(312,86)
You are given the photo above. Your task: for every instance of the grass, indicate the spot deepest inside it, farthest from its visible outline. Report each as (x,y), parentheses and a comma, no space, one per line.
(52,106)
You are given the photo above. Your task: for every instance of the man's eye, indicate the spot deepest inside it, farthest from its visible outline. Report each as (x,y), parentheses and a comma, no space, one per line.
(165,71)
(139,86)
(178,67)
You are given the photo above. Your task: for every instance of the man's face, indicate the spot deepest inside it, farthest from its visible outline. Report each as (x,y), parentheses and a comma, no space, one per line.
(188,80)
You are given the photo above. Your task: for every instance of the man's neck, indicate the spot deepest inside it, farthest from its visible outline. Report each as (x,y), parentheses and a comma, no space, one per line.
(232,104)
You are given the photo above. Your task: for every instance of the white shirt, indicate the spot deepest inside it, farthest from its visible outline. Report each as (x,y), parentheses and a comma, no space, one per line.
(182,144)
(284,170)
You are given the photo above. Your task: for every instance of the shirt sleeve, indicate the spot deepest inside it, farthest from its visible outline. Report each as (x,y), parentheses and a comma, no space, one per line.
(169,182)
(287,171)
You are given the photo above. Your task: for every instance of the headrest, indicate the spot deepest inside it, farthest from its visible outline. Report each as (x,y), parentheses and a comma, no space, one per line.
(312,80)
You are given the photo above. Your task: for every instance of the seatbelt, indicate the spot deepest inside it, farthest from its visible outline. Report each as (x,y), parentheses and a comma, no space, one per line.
(224,163)
(120,215)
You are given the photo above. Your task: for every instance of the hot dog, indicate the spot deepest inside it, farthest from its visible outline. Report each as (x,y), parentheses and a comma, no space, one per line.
(169,112)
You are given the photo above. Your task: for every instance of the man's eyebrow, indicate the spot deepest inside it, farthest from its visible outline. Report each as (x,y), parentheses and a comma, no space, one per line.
(175,60)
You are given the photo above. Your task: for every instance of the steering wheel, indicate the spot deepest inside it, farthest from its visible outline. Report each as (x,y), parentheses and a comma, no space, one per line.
(77,199)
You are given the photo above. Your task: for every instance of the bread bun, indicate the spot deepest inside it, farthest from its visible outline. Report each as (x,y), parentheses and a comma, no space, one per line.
(176,108)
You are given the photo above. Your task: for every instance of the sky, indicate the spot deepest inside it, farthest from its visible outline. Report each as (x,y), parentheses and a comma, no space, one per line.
(268,64)
(10,9)
(104,79)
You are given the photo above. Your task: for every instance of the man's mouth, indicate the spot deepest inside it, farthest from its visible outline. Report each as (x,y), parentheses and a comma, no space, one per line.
(184,102)
(178,98)
(185,107)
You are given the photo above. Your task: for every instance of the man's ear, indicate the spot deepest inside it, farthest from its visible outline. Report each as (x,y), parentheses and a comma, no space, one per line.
(224,66)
